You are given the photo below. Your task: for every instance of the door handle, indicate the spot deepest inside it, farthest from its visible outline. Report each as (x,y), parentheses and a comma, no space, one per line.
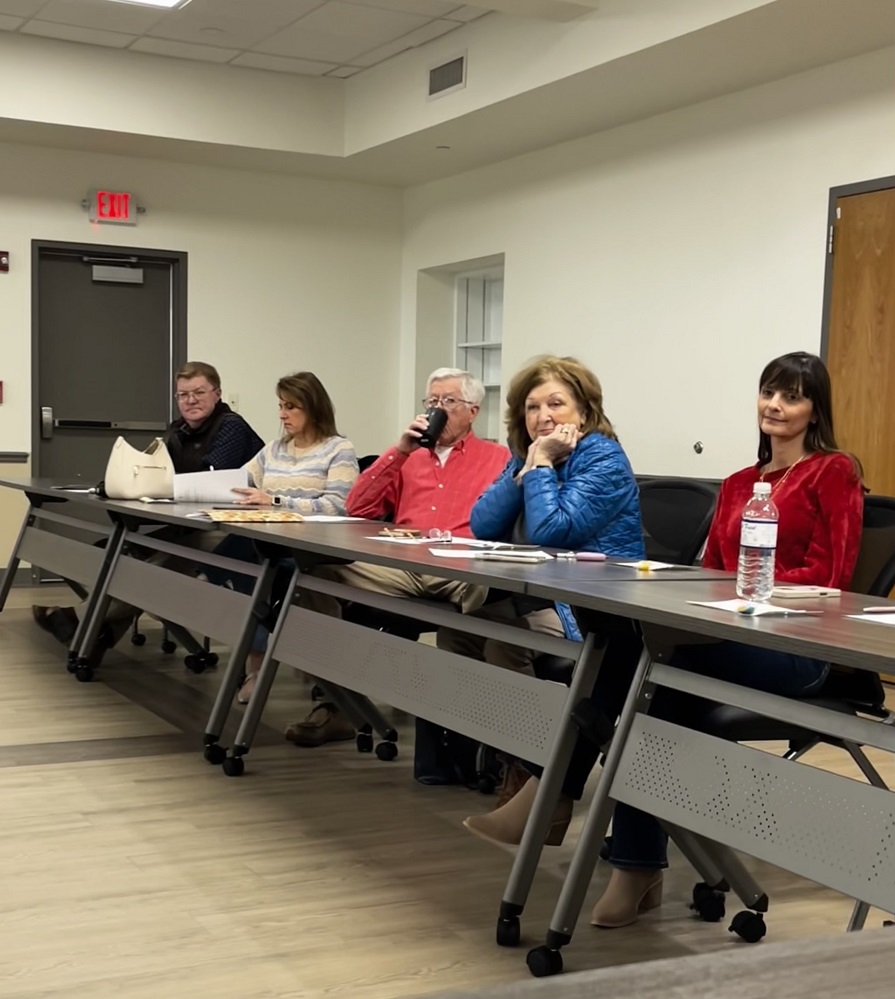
(46,423)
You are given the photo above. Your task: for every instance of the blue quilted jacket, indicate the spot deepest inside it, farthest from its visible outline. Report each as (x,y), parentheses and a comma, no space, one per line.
(590,503)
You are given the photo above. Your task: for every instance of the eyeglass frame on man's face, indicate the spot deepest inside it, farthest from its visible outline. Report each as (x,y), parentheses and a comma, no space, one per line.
(447,402)
(196,394)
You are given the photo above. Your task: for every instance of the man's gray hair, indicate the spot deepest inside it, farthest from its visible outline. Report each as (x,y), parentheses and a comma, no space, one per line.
(471,388)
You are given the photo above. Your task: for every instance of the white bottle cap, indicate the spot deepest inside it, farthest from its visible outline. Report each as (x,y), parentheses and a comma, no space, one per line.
(762,489)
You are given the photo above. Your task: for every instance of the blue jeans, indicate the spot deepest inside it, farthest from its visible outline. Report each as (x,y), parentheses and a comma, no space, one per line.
(638,840)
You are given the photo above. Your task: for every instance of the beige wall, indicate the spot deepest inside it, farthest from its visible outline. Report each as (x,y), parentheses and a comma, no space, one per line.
(676,255)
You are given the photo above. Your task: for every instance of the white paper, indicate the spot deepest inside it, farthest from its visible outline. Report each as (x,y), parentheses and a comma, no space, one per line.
(516,556)
(399,541)
(875,618)
(210,487)
(328,518)
(746,609)
(648,565)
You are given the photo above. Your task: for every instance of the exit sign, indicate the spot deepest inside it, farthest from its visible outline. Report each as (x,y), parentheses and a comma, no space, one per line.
(113,207)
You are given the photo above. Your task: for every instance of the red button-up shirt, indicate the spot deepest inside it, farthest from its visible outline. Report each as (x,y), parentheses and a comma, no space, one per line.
(418,491)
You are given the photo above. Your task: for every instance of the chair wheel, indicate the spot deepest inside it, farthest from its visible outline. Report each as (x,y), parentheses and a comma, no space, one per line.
(138,639)
(169,647)
(508,932)
(750,926)
(486,784)
(364,742)
(211,660)
(215,754)
(708,903)
(386,751)
(194,663)
(84,674)
(317,693)
(543,962)
(234,766)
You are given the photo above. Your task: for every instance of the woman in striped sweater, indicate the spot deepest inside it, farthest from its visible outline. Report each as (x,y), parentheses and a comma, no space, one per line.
(309,469)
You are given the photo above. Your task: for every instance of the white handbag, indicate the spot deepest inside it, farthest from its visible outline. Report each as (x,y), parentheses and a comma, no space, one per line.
(133,474)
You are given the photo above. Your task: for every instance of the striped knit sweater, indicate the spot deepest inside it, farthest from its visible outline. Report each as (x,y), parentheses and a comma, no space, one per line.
(313,479)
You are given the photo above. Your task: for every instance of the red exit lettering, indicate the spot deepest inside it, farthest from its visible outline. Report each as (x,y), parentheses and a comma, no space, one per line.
(113,206)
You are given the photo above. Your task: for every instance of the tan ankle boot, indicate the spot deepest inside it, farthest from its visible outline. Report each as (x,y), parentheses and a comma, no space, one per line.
(507,823)
(630,891)
(513,778)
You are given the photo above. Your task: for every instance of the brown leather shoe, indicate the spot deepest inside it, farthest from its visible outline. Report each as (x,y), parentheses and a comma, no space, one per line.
(512,781)
(60,622)
(324,724)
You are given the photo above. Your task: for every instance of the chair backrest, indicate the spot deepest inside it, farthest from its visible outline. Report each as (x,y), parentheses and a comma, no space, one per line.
(676,516)
(367,460)
(875,570)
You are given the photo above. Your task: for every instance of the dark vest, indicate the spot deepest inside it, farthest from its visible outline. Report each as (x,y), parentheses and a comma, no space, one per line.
(189,446)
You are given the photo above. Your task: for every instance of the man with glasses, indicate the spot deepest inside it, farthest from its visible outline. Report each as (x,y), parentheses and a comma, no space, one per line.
(208,434)
(430,489)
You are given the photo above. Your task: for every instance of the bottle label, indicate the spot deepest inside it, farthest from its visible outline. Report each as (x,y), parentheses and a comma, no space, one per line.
(758,534)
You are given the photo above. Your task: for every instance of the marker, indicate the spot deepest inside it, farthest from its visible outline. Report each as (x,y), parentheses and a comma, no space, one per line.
(582,556)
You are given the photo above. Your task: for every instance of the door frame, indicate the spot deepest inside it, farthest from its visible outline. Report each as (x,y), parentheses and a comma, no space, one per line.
(844,191)
(177,259)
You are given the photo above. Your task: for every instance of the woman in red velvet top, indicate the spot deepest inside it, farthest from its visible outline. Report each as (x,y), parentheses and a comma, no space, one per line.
(818,492)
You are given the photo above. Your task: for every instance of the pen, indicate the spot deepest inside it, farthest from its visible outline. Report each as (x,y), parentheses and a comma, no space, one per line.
(878,610)
(582,556)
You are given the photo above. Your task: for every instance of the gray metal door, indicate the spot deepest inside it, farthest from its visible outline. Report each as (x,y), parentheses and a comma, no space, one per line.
(106,347)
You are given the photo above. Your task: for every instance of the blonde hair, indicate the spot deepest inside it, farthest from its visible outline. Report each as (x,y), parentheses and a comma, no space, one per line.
(582,383)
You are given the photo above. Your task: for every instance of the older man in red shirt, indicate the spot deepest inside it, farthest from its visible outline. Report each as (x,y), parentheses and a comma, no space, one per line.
(423,488)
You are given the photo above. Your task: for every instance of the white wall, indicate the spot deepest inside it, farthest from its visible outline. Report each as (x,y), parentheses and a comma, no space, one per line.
(676,256)
(284,273)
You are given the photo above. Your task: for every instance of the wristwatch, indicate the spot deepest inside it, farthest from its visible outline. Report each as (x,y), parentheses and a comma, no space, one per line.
(276,500)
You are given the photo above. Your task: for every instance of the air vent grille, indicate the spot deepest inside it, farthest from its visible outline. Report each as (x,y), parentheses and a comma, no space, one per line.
(448,76)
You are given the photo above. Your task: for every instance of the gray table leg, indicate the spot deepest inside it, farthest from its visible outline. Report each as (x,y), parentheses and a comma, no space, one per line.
(549,788)
(234,765)
(547,960)
(94,614)
(13,566)
(214,753)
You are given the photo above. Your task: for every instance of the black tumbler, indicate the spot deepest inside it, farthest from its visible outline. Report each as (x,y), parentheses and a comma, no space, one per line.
(437,418)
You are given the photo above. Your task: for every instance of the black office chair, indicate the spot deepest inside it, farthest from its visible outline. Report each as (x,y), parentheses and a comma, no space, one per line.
(676,516)
(849,691)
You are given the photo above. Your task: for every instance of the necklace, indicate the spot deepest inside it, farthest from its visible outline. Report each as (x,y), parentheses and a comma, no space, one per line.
(785,475)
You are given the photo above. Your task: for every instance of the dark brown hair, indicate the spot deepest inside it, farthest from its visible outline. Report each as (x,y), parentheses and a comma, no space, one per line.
(305,390)
(199,369)
(583,384)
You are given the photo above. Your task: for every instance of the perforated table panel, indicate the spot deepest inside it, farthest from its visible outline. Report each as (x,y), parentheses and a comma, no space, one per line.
(831,829)
(507,710)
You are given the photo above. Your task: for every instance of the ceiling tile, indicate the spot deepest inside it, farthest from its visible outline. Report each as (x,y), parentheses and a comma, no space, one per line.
(434,29)
(22,8)
(279,64)
(343,72)
(208,23)
(339,31)
(9,23)
(70,33)
(100,14)
(182,50)
(431,8)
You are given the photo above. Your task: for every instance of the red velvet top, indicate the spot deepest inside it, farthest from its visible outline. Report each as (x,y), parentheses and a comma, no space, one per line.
(821,507)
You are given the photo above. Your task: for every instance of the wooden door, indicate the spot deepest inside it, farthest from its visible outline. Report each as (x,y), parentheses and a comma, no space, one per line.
(860,350)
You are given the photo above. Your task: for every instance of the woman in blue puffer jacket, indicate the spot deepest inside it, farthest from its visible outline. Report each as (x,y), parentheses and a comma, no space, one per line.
(568,485)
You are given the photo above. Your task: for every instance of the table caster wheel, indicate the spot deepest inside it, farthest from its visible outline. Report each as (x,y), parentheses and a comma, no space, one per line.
(708,902)
(169,648)
(364,742)
(211,660)
(194,663)
(508,932)
(72,665)
(138,639)
(543,962)
(215,754)
(750,926)
(234,766)
(386,751)
(84,674)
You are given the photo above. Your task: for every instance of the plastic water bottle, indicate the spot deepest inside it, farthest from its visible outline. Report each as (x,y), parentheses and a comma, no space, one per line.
(758,545)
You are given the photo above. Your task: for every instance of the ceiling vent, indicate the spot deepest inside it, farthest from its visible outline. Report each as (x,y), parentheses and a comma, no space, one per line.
(447,77)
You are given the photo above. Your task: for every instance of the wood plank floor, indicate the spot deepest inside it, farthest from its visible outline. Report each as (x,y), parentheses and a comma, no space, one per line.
(133,869)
